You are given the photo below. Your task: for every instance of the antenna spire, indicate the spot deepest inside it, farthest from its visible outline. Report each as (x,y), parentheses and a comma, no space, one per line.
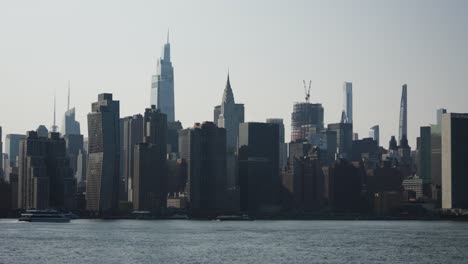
(168,35)
(68,103)
(54,126)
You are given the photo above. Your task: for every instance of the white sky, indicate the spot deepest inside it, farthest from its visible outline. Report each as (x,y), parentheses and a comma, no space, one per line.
(269,47)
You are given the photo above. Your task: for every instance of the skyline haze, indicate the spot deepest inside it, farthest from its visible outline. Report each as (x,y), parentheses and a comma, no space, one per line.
(268,46)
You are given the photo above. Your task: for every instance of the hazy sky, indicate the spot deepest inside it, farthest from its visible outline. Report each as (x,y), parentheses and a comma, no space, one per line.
(269,47)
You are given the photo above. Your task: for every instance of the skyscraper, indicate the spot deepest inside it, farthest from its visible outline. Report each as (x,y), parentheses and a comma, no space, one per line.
(403,128)
(229,115)
(162,87)
(45,179)
(424,161)
(102,178)
(150,168)
(374,133)
(258,167)
(70,126)
(344,138)
(203,148)
(283,148)
(12,147)
(454,161)
(131,133)
(348,102)
(1,155)
(306,117)
(439,114)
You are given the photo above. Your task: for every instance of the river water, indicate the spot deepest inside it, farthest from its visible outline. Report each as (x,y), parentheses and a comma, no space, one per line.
(186,241)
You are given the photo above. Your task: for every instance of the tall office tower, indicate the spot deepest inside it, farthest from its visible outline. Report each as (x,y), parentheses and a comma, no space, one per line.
(74,144)
(12,142)
(344,138)
(365,149)
(454,160)
(348,101)
(404,153)
(306,116)
(439,114)
(5,167)
(45,179)
(229,115)
(283,147)
(403,128)
(173,129)
(2,174)
(162,86)
(345,186)
(131,133)
(436,155)
(374,133)
(203,148)
(259,179)
(150,168)
(70,126)
(303,179)
(424,160)
(102,177)
(80,174)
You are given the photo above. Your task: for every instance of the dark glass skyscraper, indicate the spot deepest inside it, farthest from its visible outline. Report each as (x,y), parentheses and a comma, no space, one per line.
(102,179)
(45,179)
(131,133)
(162,87)
(258,167)
(150,168)
(203,148)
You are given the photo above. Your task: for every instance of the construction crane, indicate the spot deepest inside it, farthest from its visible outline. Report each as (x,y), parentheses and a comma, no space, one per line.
(307,91)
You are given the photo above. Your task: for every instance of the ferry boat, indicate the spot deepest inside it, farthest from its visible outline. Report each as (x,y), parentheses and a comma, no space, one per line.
(234,218)
(44,216)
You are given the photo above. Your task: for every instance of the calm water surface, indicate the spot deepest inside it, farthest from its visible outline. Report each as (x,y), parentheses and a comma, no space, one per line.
(132,241)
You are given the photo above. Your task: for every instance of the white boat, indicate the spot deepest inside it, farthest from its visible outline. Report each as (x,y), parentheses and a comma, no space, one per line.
(44,216)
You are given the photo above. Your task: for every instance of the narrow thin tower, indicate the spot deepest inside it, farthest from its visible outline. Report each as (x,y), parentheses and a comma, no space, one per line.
(403,129)
(54,126)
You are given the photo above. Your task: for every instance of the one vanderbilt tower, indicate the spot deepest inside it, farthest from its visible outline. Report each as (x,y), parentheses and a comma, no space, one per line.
(162,86)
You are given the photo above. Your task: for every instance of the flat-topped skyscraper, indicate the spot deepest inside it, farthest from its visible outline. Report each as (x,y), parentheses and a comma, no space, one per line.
(102,177)
(162,86)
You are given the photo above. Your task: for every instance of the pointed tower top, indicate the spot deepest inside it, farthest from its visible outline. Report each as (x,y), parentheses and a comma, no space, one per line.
(228,96)
(167,36)
(343,117)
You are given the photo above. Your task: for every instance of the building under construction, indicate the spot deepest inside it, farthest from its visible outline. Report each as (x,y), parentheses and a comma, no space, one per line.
(304,117)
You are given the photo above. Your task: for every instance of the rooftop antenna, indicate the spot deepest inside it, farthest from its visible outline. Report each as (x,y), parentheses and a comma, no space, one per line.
(68,104)
(307,91)
(54,126)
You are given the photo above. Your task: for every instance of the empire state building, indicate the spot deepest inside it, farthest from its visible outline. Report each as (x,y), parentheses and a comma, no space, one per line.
(162,85)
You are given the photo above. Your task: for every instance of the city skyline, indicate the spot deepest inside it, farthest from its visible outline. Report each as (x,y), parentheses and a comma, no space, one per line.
(206,80)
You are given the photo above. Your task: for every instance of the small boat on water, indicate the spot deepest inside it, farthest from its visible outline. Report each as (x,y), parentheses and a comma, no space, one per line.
(234,218)
(53,216)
